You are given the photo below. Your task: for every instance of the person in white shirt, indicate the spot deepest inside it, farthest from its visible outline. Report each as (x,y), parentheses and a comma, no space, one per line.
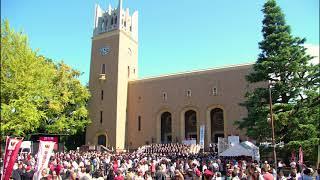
(204,167)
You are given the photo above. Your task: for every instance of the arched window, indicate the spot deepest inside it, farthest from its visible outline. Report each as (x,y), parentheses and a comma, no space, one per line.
(190,119)
(166,134)
(217,124)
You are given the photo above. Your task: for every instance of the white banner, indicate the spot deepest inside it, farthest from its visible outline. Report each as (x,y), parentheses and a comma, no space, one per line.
(201,142)
(44,154)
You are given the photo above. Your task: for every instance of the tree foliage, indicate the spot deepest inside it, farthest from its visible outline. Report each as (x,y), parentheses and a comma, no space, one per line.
(294,85)
(38,95)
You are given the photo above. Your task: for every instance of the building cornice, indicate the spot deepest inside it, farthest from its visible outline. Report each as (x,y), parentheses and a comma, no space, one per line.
(194,72)
(112,33)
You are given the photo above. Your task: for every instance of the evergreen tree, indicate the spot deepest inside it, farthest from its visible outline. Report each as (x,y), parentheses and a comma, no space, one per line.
(284,64)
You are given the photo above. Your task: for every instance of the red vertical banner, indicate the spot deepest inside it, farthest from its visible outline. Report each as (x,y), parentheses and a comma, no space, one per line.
(10,156)
(300,155)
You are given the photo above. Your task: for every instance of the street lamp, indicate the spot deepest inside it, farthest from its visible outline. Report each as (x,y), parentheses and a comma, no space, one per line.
(272,127)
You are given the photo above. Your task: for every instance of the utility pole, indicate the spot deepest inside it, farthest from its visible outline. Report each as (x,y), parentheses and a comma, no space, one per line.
(272,127)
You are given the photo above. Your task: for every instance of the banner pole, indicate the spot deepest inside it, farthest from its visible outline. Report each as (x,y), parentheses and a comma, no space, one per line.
(4,156)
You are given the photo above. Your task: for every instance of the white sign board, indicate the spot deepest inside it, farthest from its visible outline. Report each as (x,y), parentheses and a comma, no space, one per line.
(25,144)
(202,136)
(189,142)
(222,145)
(233,140)
(92,147)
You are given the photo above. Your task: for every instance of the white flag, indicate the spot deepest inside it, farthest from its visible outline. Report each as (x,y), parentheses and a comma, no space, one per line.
(44,154)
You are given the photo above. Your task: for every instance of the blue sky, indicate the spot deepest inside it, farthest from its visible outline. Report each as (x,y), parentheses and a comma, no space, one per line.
(174,35)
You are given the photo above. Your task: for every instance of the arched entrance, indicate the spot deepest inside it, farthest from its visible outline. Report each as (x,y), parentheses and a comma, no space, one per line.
(102,140)
(190,124)
(217,124)
(166,128)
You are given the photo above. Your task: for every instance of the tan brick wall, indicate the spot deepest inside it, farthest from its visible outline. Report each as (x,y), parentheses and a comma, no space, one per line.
(231,86)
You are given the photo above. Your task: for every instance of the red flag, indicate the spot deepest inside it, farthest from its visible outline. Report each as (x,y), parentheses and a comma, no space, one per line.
(300,155)
(10,156)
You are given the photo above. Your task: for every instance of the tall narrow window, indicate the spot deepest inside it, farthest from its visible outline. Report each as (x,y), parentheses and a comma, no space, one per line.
(164,96)
(214,91)
(112,21)
(139,123)
(188,93)
(102,25)
(101,112)
(128,71)
(103,69)
(101,94)
(115,21)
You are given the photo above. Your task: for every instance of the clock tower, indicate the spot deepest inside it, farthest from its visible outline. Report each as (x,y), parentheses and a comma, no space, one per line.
(114,62)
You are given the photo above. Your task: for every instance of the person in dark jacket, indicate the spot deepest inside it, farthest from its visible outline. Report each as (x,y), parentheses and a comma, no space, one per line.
(159,174)
(15,173)
(28,174)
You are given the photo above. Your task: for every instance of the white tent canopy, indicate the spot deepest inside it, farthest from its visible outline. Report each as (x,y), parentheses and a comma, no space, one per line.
(245,148)
(253,149)
(249,145)
(236,150)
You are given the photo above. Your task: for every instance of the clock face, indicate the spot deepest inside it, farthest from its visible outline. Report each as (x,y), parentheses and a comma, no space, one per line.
(104,50)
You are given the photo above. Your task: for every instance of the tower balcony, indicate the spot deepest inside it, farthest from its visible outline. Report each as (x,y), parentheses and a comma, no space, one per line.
(102,77)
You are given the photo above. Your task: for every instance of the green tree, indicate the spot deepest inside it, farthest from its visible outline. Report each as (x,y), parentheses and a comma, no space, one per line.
(294,81)
(38,95)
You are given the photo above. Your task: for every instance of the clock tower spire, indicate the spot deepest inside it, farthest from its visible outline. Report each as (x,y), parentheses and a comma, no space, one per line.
(114,62)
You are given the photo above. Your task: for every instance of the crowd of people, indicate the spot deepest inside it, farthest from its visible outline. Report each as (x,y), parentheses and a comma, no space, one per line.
(158,162)
(166,148)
